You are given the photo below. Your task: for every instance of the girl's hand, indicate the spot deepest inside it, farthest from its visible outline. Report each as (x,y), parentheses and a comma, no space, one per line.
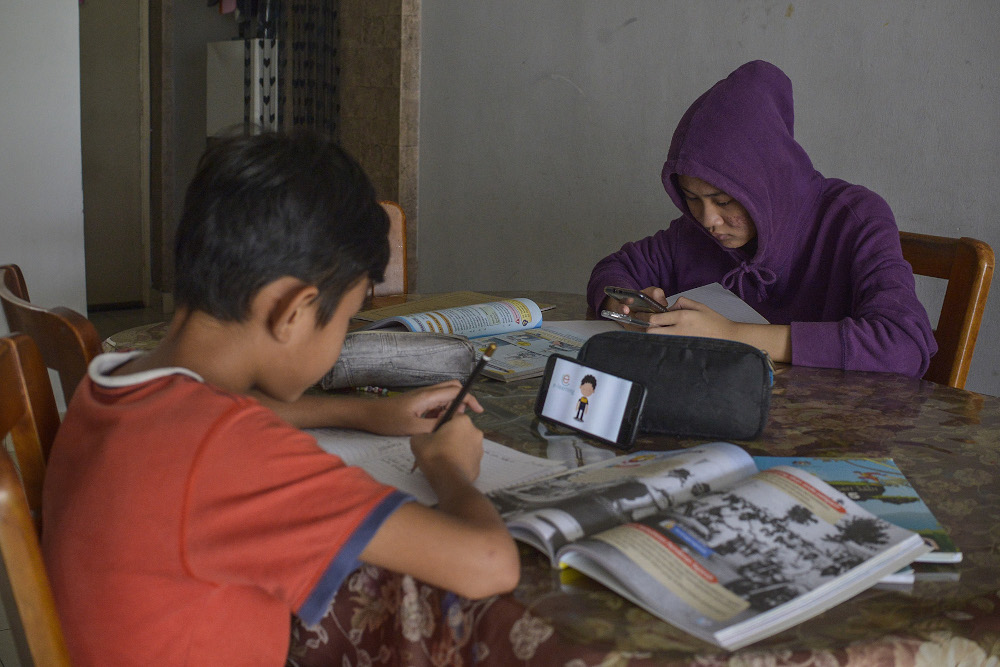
(623,307)
(691,318)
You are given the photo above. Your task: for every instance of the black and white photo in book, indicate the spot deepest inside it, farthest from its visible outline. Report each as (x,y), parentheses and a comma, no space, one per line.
(567,506)
(703,540)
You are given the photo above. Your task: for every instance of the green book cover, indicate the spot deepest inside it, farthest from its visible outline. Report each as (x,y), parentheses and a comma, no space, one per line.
(880,487)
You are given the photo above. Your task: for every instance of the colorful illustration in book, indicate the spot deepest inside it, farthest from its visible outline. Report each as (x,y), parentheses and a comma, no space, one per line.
(587,387)
(879,486)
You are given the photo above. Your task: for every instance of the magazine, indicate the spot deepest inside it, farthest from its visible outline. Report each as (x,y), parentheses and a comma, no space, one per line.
(880,487)
(705,541)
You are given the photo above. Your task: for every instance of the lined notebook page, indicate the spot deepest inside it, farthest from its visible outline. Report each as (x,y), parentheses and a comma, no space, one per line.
(389,460)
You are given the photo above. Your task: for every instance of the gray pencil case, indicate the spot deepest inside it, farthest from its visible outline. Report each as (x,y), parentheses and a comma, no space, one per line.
(400,359)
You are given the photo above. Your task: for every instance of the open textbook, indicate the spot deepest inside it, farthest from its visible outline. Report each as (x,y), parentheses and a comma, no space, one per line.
(523,341)
(705,541)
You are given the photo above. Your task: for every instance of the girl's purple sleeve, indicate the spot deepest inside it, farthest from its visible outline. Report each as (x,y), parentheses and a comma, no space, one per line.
(637,265)
(887,329)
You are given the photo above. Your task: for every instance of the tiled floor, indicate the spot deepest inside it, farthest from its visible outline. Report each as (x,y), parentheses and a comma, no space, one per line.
(8,654)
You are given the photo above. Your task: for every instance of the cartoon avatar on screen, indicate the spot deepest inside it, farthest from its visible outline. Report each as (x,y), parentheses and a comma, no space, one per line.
(587,386)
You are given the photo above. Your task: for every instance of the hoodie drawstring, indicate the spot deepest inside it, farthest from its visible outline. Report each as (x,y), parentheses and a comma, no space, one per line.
(762,275)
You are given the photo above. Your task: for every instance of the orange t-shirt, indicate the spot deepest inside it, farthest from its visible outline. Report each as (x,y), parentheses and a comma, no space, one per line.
(184,524)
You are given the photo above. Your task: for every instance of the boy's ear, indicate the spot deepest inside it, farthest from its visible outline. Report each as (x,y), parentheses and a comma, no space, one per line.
(289,307)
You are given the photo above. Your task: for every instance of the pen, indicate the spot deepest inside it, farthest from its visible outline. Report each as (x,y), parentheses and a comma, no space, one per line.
(450,412)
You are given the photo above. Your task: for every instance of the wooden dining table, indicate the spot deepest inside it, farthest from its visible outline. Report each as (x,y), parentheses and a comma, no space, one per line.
(946,441)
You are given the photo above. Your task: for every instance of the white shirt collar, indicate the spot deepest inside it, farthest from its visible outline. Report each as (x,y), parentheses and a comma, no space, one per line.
(103,364)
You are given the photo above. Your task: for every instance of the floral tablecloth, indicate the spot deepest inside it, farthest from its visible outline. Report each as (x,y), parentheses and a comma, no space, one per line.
(946,441)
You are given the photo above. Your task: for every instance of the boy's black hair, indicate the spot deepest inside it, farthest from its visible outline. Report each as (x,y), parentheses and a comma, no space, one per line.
(271,205)
(589,379)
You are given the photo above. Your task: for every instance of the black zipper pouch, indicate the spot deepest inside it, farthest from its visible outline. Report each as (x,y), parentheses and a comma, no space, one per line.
(696,387)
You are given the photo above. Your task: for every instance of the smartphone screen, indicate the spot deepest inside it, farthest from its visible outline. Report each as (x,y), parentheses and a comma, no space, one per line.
(599,404)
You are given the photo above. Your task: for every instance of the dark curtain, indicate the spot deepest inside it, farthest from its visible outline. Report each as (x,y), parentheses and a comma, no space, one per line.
(297,87)
(258,22)
(308,36)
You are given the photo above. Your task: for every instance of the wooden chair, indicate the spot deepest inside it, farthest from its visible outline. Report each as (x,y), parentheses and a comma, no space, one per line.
(28,412)
(13,279)
(395,274)
(967,265)
(67,340)
(28,415)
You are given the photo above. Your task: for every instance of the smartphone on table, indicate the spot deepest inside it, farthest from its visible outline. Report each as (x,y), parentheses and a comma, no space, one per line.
(642,303)
(599,404)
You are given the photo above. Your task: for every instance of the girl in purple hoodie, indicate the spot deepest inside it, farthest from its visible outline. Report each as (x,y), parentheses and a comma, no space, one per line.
(818,257)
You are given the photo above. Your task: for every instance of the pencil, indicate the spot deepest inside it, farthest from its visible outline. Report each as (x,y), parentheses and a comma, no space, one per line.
(457,401)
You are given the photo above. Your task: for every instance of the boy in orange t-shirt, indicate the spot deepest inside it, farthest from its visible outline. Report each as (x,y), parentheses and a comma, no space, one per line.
(184,519)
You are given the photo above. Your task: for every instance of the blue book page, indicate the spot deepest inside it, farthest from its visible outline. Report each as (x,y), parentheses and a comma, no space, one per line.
(484,319)
(880,487)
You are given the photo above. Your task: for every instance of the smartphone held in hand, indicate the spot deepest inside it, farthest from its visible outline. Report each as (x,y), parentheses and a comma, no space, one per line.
(624,319)
(641,302)
(593,402)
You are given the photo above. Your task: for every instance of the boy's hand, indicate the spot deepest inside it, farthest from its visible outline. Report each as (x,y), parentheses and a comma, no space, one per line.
(416,411)
(455,447)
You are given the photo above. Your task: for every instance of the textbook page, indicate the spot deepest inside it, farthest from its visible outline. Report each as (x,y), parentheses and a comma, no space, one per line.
(735,566)
(554,511)
(483,319)
(523,354)
(389,460)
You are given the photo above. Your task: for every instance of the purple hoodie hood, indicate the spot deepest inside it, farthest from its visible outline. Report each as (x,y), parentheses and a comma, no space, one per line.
(739,137)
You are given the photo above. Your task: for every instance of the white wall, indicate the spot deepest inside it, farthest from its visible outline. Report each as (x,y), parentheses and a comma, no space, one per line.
(544,124)
(41,191)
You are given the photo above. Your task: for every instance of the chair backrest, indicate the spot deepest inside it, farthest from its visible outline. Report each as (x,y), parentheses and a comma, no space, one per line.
(67,340)
(967,265)
(28,415)
(13,279)
(28,411)
(395,274)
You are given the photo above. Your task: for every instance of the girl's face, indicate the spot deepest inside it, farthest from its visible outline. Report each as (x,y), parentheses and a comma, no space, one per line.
(723,216)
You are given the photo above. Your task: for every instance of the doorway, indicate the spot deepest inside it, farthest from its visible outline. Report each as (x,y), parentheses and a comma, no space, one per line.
(114,121)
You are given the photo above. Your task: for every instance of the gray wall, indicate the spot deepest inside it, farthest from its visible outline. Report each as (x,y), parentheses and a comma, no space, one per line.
(41,191)
(544,124)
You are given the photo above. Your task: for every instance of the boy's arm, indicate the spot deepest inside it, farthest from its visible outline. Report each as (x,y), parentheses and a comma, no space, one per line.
(409,413)
(463,545)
